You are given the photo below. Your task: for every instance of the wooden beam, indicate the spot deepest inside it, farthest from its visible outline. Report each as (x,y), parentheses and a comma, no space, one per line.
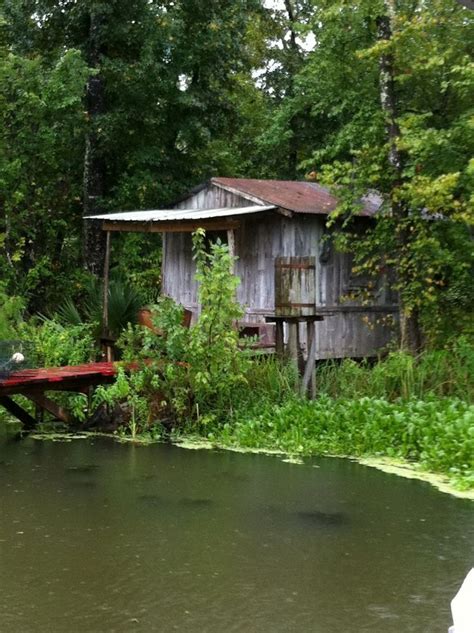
(18,412)
(241,194)
(286,212)
(105,300)
(254,199)
(231,246)
(279,339)
(308,376)
(344,309)
(171,226)
(49,405)
(73,385)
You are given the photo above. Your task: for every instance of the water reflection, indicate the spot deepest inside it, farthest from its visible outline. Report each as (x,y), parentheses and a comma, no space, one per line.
(99,537)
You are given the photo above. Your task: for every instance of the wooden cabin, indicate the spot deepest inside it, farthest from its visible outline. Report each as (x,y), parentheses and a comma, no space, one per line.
(264,221)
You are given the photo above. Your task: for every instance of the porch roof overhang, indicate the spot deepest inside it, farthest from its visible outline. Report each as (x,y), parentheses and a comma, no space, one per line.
(177,220)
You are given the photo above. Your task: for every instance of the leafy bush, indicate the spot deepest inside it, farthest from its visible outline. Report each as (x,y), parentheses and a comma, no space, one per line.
(11,314)
(136,390)
(203,368)
(57,345)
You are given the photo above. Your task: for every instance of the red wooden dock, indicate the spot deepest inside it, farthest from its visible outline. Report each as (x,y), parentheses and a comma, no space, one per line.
(33,383)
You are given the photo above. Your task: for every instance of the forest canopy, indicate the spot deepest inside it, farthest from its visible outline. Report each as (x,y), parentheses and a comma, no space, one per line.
(126,105)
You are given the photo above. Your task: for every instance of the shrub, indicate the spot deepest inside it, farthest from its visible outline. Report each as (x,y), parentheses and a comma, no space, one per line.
(200,369)
(56,345)
(11,315)
(124,303)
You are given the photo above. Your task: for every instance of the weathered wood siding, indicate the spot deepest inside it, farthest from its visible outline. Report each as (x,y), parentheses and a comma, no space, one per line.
(351,331)
(212,197)
(178,270)
(295,286)
(258,242)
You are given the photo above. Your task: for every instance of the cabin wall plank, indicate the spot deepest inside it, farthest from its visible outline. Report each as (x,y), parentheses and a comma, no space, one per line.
(212,197)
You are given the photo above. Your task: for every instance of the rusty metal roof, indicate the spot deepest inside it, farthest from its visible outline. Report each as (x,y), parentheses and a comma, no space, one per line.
(296,196)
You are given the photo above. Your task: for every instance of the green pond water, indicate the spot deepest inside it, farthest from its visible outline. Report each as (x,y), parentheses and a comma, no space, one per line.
(101,537)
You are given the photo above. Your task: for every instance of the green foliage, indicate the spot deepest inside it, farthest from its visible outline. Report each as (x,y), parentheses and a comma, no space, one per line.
(41,140)
(123,306)
(217,365)
(201,368)
(440,373)
(437,433)
(178,93)
(417,409)
(136,389)
(54,344)
(11,314)
(428,243)
(138,263)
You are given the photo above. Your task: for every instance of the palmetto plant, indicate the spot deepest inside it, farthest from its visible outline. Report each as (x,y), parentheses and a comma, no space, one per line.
(123,305)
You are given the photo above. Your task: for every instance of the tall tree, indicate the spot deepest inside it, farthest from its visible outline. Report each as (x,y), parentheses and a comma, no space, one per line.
(410,333)
(399,79)
(161,103)
(286,133)
(94,163)
(41,140)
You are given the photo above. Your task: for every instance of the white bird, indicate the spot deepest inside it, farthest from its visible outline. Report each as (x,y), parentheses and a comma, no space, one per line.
(17,358)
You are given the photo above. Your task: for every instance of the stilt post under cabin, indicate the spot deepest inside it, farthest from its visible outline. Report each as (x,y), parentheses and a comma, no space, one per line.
(105,302)
(308,383)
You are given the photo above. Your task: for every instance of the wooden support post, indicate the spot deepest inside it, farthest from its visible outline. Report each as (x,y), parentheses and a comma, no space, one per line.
(292,344)
(39,414)
(309,379)
(89,393)
(49,405)
(18,412)
(299,351)
(105,303)
(231,246)
(279,339)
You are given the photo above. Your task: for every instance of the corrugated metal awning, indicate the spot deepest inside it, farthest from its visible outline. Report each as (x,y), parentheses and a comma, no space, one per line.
(169,215)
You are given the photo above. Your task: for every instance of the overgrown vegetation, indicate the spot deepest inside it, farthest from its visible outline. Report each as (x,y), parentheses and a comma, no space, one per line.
(124,302)
(127,104)
(202,381)
(53,344)
(435,433)
(439,373)
(192,373)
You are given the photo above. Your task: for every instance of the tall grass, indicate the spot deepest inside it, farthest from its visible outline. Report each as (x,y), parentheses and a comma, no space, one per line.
(441,373)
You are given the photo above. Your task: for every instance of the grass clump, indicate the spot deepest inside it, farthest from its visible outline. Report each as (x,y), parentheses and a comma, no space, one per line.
(439,373)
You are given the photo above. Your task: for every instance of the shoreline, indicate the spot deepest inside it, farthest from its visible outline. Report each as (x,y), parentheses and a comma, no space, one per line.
(385,464)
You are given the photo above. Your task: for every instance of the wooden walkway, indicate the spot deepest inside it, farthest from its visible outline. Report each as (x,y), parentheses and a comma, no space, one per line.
(33,383)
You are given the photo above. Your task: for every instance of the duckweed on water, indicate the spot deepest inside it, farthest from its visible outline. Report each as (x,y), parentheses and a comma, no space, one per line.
(437,434)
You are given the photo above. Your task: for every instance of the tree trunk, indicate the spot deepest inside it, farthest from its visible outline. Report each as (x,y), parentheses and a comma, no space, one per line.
(410,333)
(94,167)
(292,70)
